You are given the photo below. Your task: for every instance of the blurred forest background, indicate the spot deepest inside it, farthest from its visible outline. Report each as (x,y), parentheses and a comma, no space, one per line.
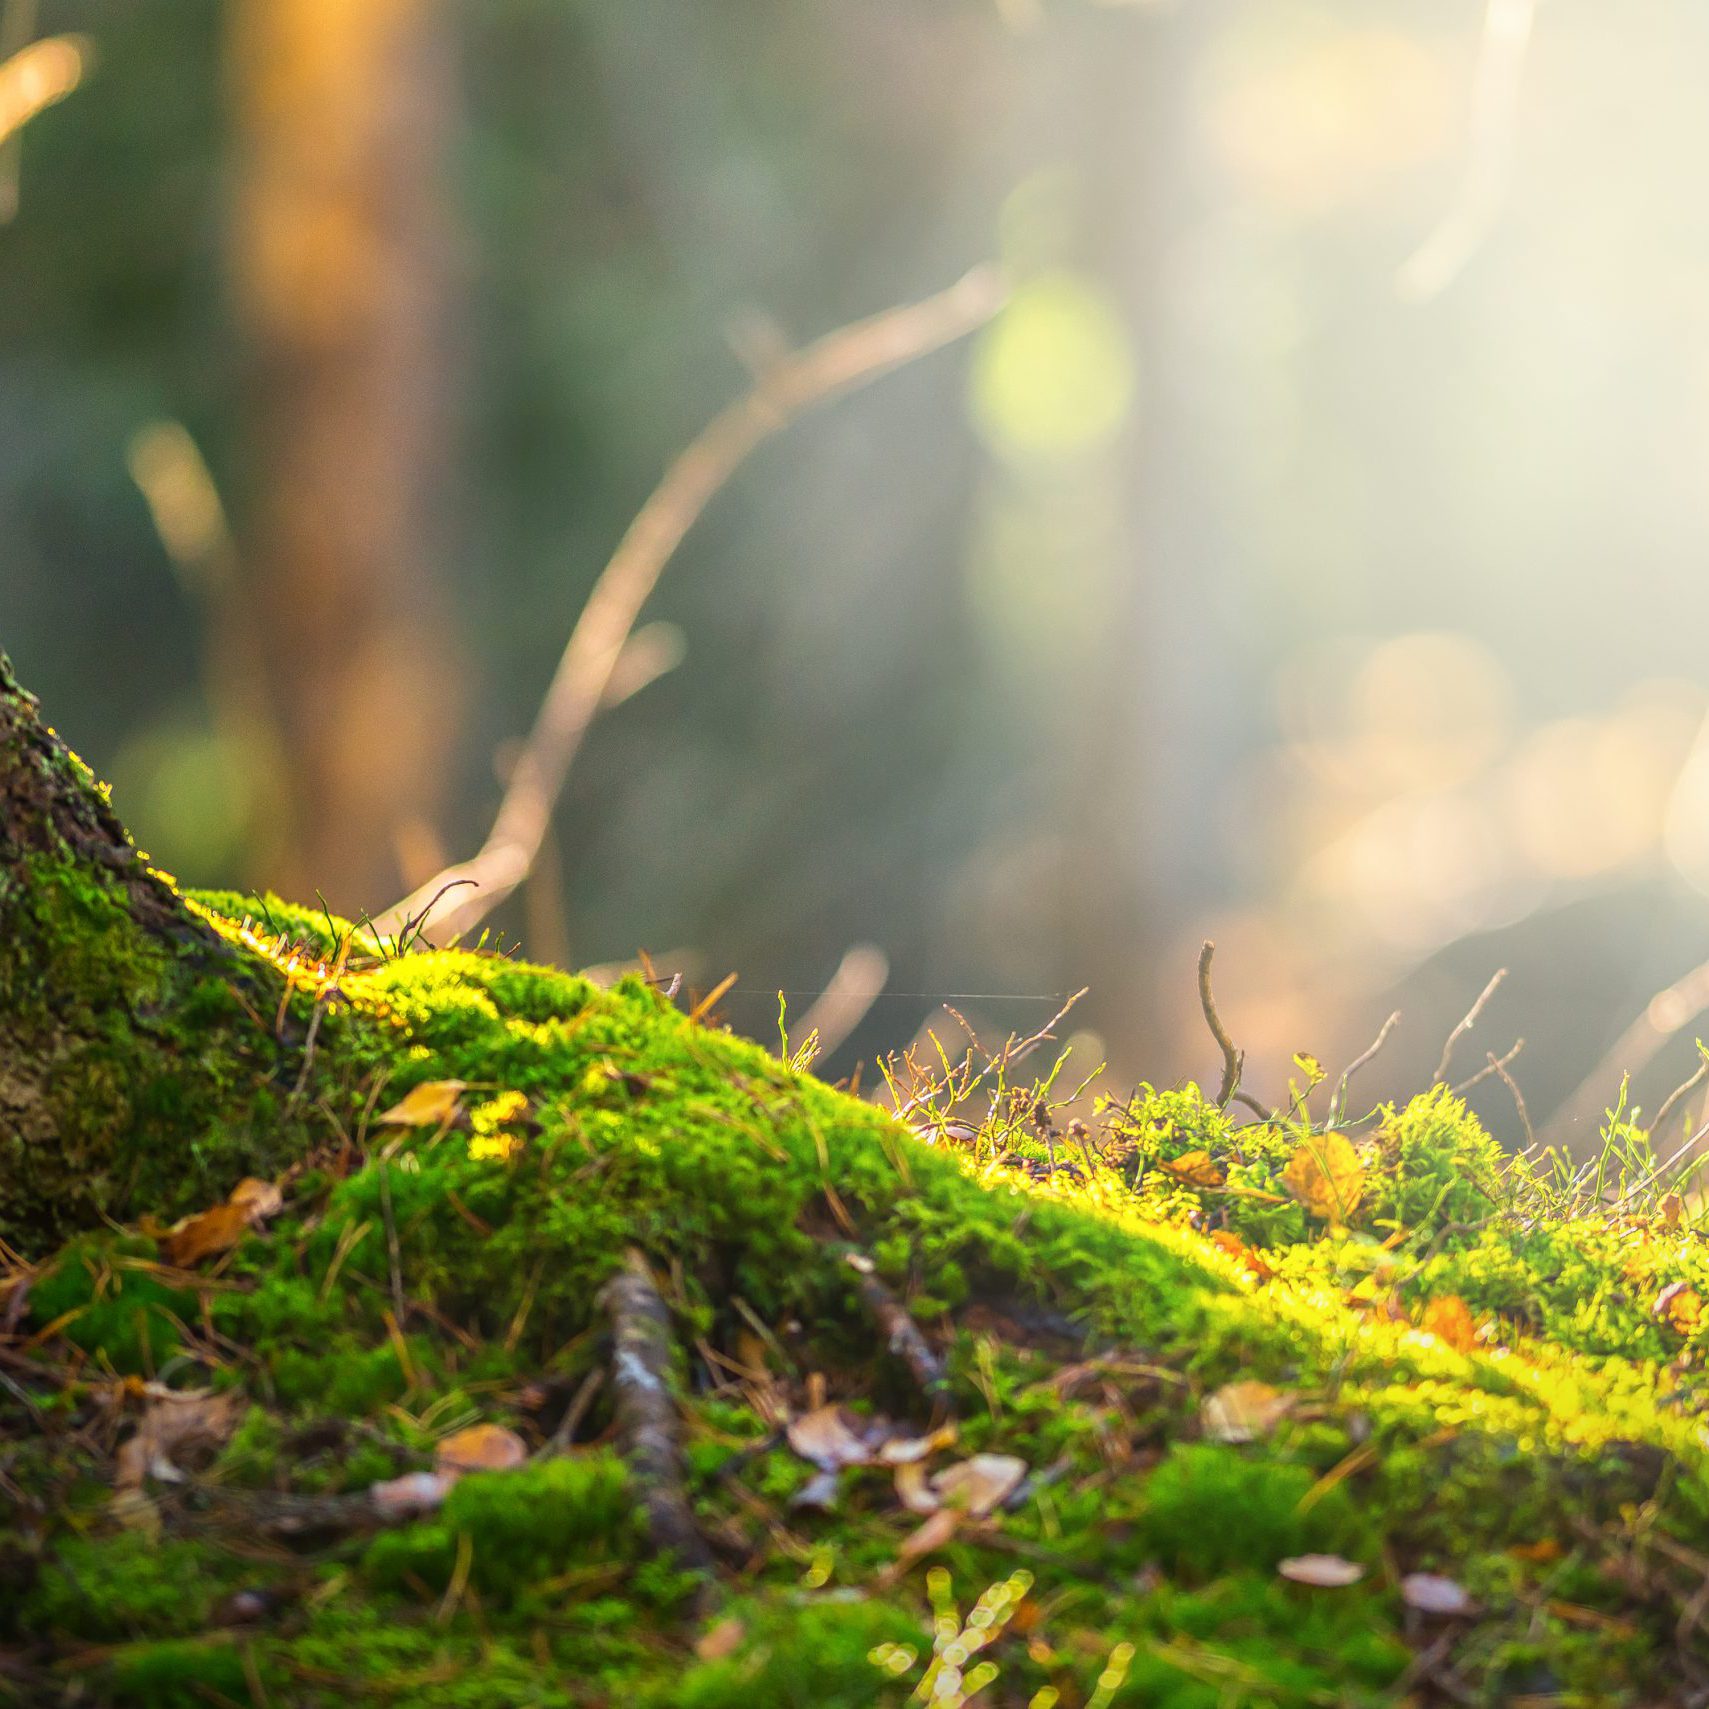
(1311,555)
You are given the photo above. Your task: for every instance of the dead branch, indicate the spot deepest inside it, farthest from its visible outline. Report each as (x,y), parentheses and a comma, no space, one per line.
(1338,1104)
(1467,1022)
(1499,1068)
(1488,1069)
(902,1334)
(832,365)
(1232,1059)
(1671,1101)
(647,1433)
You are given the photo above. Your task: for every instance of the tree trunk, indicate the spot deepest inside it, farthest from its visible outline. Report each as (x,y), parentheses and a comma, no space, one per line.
(133,1065)
(342,260)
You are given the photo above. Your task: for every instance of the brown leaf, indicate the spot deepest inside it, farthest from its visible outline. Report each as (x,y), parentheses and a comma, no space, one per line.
(1325,1175)
(1450,1320)
(434,1103)
(826,1438)
(480,1448)
(721,1639)
(1194,1169)
(980,1485)
(205,1235)
(1243,1411)
(1322,1572)
(1672,1209)
(1430,1593)
(175,1422)
(258,1199)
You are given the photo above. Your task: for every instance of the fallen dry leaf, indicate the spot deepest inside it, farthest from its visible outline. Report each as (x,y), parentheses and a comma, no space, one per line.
(481,1448)
(827,1438)
(211,1232)
(259,1199)
(1325,1175)
(1322,1572)
(175,1422)
(914,1490)
(1243,1411)
(1194,1169)
(1450,1320)
(1680,1305)
(980,1485)
(1234,1247)
(434,1103)
(719,1640)
(1431,1593)
(903,1450)
(205,1235)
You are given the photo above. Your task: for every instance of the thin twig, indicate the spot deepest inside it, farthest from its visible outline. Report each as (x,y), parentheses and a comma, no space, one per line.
(1488,1069)
(1338,1104)
(835,364)
(1467,1022)
(564,1436)
(901,1332)
(1232,1059)
(647,1429)
(1682,1091)
(1499,1068)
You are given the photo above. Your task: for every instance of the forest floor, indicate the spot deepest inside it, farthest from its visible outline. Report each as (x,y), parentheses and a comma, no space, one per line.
(589,1355)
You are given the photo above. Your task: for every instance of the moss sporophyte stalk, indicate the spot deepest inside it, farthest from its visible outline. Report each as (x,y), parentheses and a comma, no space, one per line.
(1178,1348)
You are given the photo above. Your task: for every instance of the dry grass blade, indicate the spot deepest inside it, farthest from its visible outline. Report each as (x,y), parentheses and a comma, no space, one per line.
(834,364)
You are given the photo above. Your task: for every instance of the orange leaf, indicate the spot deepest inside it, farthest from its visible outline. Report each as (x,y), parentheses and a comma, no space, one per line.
(1680,1305)
(1326,1176)
(481,1448)
(1450,1319)
(433,1103)
(1194,1169)
(205,1234)
(1243,1412)
(1240,1252)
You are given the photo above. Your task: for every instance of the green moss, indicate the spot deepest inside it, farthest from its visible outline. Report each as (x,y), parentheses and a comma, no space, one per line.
(419,1280)
(1211,1509)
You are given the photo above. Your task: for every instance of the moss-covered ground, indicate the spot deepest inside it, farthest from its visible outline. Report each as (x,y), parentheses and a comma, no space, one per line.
(1219,1349)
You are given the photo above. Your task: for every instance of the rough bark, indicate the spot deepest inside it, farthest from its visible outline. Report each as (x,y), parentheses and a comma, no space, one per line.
(129,1028)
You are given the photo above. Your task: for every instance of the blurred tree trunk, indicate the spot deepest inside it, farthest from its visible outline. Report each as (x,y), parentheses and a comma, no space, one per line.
(342,261)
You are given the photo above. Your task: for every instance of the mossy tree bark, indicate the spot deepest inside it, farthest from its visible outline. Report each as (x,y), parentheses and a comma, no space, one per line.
(131,1032)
